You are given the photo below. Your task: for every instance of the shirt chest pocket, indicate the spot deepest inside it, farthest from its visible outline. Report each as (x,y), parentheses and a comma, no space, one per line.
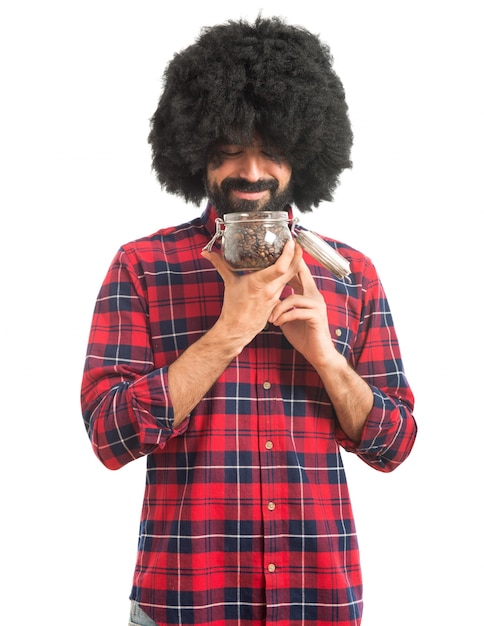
(343,338)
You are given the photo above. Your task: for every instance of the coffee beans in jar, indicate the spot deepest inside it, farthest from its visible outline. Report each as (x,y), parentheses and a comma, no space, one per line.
(254,241)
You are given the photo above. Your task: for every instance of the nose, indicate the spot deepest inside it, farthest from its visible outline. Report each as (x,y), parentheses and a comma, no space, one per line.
(251,167)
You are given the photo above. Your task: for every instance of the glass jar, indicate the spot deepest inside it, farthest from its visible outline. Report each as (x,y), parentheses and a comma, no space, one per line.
(253,241)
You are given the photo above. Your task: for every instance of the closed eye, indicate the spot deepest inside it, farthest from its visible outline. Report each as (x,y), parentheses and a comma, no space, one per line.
(273,156)
(230,153)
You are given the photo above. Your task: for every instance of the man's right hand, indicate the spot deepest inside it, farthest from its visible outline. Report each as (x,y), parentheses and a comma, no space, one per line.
(250,297)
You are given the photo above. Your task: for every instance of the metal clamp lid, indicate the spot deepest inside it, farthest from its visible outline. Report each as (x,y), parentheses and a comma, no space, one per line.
(322,252)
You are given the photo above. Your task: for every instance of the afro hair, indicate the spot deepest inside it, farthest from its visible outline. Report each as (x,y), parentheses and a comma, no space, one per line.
(239,79)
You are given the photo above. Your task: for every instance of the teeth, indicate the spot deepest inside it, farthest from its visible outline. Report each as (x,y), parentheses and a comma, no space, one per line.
(323,252)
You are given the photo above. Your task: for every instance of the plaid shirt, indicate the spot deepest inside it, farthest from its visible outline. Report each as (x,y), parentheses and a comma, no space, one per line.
(246,516)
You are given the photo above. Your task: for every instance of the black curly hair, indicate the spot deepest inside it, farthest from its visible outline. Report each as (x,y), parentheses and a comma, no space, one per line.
(239,79)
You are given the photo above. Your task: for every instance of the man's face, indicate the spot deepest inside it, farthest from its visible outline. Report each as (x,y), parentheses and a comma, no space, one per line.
(248,178)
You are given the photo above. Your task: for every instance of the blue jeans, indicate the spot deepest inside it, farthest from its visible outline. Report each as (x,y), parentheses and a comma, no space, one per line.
(138,617)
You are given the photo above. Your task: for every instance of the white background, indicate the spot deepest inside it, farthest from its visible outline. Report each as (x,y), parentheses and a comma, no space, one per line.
(79,82)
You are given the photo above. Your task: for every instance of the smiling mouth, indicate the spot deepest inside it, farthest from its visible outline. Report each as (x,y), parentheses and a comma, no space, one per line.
(249,195)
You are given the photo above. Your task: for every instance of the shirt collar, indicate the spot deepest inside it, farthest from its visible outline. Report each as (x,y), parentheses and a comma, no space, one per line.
(208,219)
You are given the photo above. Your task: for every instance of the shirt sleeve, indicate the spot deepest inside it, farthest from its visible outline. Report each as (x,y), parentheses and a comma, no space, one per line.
(390,429)
(125,400)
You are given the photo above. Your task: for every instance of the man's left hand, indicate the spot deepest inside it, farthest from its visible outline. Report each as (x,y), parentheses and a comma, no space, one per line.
(303,319)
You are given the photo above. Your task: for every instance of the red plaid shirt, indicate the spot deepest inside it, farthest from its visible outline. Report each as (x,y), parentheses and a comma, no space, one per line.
(246,516)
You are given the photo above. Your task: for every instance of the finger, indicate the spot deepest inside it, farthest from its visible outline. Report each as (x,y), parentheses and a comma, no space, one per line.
(219,263)
(303,282)
(292,315)
(281,266)
(290,304)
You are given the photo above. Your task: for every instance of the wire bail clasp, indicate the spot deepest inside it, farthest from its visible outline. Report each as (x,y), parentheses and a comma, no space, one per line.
(218,233)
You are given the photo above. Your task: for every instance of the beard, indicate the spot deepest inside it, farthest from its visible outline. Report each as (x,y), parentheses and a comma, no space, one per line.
(224,202)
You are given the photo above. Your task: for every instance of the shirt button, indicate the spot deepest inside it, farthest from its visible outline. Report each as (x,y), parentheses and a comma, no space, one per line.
(269,445)
(271,506)
(266,385)
(271,567)
(338,332)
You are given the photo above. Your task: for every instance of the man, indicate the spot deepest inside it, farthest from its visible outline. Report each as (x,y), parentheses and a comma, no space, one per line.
(240,388)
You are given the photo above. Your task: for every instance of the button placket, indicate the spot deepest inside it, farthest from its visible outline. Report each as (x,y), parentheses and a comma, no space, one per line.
(267,444)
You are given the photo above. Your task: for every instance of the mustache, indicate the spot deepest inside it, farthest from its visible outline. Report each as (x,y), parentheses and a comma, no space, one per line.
(240,184)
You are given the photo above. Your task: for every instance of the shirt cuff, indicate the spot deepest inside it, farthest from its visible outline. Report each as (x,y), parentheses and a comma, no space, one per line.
(379,436)
(153,409)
